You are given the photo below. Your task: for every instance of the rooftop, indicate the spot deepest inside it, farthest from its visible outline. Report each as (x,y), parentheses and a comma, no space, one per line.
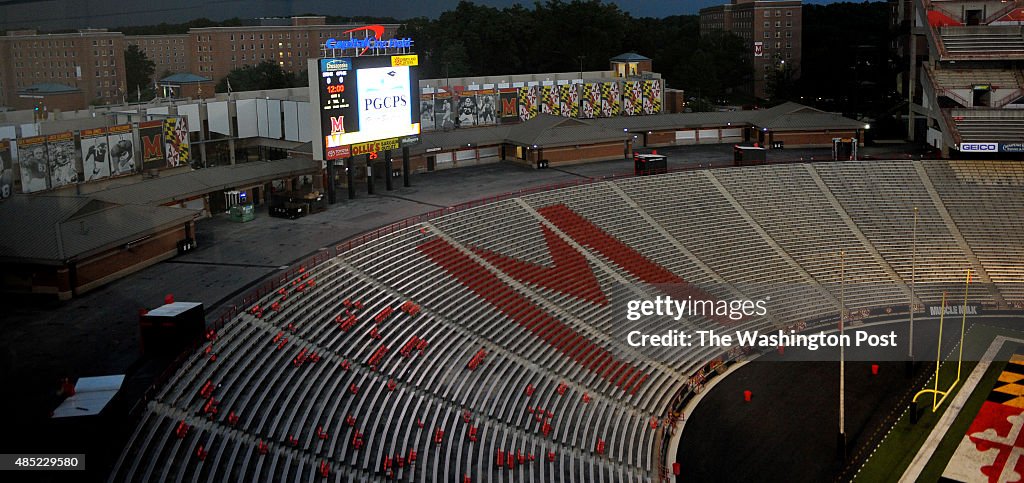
(184,78)
(48,88)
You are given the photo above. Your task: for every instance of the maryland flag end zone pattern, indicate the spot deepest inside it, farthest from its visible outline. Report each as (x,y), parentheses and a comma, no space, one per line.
(993,448)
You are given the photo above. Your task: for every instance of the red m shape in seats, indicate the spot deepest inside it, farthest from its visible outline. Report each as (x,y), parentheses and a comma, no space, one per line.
(570,274)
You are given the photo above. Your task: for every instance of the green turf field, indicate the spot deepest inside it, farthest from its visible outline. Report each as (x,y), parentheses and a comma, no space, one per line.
(895,453)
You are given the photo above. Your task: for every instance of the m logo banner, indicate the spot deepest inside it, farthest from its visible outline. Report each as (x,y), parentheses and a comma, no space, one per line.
(509,106)
(337,124)
(151,134)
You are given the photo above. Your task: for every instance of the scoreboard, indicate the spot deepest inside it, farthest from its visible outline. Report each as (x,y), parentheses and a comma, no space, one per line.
(364,101)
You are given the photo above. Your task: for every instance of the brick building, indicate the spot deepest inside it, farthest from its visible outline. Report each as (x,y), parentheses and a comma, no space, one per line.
(772,29)
(214,51)
(170,52)
(91,61)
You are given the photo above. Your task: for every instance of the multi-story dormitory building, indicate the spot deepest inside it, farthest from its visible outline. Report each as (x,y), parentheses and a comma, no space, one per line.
(772,30)
(963,76)
(61,71)
(73,70)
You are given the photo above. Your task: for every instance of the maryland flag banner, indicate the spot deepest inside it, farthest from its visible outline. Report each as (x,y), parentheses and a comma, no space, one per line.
(590,102)
(610,96)
(632,98)
(993,448)
(176,139)
(652,96)
(570,100)
(528,102)
(549,100)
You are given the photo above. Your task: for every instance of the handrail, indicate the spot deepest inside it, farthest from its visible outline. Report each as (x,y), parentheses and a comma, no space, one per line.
(1013,96)
(942,90)
(951,125)
(1005,10)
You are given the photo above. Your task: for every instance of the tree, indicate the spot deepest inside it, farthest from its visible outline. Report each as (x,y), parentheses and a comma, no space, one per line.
(266,75)
(138,71)
(780,83)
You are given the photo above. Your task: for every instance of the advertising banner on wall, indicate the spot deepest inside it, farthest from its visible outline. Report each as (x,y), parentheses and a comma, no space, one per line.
(570,99)
(60,158)
(652,96)
(467,109)
(528,102)
(427,112)
(632,98)
(6,170)
(549,103)
(610,98)
(509,105)
(33,163)
(486,107)
(95,155)
(176,141)
(121,149)
(590,101)
(444,111)
(151,134)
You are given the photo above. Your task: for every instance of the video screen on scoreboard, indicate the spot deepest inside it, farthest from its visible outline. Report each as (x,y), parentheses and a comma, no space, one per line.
(367,99)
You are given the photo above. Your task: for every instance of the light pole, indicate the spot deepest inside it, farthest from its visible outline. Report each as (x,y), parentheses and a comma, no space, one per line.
(580,58)
(842,355)
(913,280)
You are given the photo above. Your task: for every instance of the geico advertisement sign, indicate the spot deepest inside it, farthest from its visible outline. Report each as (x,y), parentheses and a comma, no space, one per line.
(979,147)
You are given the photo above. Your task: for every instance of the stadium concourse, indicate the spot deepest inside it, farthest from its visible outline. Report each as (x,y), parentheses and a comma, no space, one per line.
(487,344)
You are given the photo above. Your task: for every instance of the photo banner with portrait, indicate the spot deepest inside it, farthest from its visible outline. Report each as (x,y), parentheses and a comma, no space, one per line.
(570,99)
(95,155)
(467,109)
(590,101)
(151,133)
(444,111)
(487,107)
(509,105)
(176,149)
(121,149)
(427,112)
(6,170)
(528,102)
(33,164)
(60,158)
(611,98)
(632,98)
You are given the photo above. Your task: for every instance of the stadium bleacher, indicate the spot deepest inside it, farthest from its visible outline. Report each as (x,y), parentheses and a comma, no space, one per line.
(488,344)
(986,41)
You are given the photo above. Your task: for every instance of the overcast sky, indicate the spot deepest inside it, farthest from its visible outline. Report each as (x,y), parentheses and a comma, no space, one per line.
(63,14)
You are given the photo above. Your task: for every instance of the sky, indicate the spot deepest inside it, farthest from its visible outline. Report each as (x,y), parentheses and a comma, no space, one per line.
(67,14)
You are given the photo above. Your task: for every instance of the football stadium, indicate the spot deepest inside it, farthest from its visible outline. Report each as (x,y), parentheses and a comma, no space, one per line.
(371,271)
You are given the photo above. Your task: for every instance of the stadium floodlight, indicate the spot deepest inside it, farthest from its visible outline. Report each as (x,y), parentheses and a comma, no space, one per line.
(936,400)
(842,354)
(913,282)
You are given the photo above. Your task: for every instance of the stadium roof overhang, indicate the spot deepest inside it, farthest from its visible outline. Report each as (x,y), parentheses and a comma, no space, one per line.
(191,184)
